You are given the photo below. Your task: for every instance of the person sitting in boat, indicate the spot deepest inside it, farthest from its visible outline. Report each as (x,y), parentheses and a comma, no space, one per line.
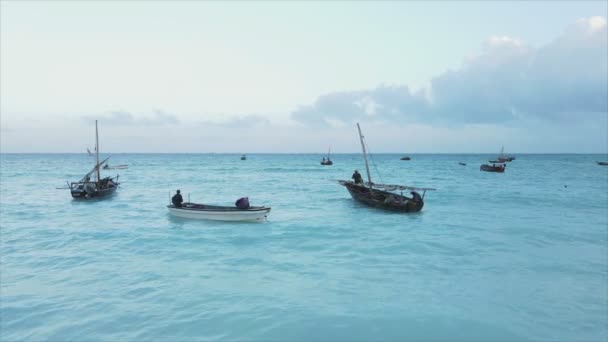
(242,203)
(177,199)
(416,197)
(357,177)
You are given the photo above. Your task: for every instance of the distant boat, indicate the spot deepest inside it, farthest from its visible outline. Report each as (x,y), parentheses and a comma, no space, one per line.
(243,157)
(328,160)
(464,164)
(380,195)
(502,158)
(218,213)
(118,167)
(405,158)
(98,187)
(602,163)
(493,168)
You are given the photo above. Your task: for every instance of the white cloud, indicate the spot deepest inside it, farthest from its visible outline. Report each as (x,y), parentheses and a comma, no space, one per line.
(593,24)
(509,80)
(124,118)
(499,41)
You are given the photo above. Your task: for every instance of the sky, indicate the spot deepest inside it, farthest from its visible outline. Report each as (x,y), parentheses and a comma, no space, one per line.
(245,77)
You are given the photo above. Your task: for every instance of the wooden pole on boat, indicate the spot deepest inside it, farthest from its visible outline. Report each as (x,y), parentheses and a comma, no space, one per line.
(97,151)
(369,177)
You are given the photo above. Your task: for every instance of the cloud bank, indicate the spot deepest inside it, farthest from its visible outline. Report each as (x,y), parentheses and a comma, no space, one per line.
(124,118)
(565,80)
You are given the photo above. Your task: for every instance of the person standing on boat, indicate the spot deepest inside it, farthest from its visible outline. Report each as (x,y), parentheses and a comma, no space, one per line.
(357,177)
(177,200)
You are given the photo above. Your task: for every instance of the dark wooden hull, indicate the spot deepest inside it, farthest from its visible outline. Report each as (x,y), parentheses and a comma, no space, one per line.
(327,163)
(602,163)
(81,194)
(490,168)
(405,158)
(383,199)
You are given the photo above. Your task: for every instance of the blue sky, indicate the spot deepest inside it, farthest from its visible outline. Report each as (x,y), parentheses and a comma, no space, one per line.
(295,76)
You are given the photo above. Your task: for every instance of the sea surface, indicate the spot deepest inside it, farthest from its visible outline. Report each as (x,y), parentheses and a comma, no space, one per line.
(519,256)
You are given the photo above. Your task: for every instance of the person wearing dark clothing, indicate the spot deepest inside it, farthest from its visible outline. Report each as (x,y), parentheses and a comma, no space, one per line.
(357,177)
(242,203)
(416,197)
(177,200)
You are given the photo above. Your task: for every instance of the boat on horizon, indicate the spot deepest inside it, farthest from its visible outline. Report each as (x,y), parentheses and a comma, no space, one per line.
(492,168)
(602,163)
(327,161)
(115,167)
(405,158)
(502,158)
(381,196)
(244,157)
(98,187)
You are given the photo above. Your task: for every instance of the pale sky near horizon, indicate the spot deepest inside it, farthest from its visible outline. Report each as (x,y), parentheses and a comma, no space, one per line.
(295,76)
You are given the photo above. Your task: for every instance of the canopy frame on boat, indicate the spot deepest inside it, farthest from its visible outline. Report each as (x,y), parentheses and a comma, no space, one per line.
(392,187)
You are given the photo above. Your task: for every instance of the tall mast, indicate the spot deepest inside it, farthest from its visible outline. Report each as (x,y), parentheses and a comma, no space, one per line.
(97,151)
(369,177)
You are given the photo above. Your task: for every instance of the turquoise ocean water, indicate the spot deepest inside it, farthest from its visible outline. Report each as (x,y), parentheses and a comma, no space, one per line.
(513,256)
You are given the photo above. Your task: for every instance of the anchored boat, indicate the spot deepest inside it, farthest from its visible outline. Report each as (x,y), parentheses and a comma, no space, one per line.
(328,160)
(492,168)
(97,187)
(219,213)
(382,196)
(502,158)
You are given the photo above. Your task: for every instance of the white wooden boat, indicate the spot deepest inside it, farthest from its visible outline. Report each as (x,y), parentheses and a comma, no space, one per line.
(218,213)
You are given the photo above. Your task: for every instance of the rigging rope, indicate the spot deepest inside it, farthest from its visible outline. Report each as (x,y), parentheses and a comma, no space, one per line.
(372,160)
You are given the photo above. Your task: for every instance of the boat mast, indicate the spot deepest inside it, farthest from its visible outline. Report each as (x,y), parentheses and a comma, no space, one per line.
(97,151)
(369,177)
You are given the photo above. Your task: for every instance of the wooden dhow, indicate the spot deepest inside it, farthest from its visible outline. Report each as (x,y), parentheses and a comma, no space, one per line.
(98,187)
(384,196)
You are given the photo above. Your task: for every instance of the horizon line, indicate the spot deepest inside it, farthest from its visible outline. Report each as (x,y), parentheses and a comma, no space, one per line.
(319,153)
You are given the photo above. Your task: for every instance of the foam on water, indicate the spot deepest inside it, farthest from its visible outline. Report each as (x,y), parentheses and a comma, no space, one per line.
(513,256)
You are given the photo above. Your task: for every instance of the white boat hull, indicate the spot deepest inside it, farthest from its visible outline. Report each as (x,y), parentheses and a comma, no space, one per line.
(221,215)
